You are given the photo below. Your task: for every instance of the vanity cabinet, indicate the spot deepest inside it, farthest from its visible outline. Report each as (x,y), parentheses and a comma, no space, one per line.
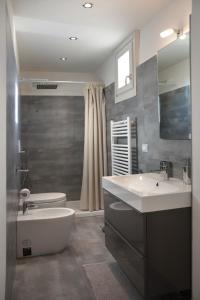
(153,249)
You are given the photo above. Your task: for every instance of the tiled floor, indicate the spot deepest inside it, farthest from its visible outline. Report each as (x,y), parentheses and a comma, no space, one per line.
(81,213)
(63,276)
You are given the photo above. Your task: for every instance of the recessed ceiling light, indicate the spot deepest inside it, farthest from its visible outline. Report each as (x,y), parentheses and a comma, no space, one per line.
(63,58)
(88,5)
(73,38)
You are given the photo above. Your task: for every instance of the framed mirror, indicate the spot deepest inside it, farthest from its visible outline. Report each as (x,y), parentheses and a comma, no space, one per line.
(174,90)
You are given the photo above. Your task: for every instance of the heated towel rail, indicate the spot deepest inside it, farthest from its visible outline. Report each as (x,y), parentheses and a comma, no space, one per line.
(124,149)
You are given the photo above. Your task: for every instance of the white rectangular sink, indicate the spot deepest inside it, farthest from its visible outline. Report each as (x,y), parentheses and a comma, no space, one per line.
(149,192)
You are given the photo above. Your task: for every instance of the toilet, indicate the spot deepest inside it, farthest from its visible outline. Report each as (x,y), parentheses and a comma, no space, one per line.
(47,200)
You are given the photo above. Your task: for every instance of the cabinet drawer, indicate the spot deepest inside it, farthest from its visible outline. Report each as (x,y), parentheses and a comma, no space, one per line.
(131,262)
(125,219)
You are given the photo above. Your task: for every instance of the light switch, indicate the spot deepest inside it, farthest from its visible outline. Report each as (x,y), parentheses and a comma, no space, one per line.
(145,148)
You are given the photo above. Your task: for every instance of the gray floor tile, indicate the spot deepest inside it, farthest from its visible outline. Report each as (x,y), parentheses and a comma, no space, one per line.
(62,276)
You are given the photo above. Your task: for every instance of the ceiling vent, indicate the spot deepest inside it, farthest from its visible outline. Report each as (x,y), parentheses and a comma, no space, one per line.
(46,86)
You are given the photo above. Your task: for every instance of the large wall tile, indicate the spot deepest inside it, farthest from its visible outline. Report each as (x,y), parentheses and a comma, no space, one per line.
(144,107)
(53,136)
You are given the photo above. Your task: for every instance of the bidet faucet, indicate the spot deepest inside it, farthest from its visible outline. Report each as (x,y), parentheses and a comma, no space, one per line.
(24,196)
(26,205)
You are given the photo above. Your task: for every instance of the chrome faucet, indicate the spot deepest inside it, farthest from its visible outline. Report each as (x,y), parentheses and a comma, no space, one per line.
(22,170)
(27,204)
(24,206)
(165,169)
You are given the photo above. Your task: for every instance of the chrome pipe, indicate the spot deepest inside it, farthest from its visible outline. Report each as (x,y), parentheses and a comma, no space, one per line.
(22,170)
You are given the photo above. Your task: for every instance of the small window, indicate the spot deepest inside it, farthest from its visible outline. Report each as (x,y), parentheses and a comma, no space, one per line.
(124,72)
(125,78)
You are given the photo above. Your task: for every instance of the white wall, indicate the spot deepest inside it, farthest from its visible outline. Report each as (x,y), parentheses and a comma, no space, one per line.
(63,89)
(175,15)
(106,72)
(196,147)
(4,20)
(27,89)
(2,149)
(11,16)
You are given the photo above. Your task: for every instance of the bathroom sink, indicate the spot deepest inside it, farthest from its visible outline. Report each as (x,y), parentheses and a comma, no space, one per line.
(149,192)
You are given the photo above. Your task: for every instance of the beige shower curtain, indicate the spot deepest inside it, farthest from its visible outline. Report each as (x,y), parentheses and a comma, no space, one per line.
(95,157)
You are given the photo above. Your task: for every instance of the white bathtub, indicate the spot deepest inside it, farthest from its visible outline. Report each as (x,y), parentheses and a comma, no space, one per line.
(47,200)
(44,231)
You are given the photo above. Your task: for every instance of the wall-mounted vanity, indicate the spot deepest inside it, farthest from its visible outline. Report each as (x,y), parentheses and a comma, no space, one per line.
(148,231)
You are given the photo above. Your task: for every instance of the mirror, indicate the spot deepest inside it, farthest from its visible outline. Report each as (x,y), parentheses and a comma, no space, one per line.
(174,90)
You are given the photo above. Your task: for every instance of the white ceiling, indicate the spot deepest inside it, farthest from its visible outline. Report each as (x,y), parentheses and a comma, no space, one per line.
(43,28)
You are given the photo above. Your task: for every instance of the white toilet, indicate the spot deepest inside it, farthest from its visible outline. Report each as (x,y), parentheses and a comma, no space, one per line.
(47,200)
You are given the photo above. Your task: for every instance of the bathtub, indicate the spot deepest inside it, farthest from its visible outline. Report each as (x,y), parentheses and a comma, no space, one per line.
(47,200)
(44,231)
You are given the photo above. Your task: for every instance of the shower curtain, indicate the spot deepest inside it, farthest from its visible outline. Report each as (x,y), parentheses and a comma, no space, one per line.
(95,155)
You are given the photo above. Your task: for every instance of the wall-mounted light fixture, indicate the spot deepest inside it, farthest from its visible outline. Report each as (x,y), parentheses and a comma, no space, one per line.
(88,5)
(63,58)
(166,33)
(73,38)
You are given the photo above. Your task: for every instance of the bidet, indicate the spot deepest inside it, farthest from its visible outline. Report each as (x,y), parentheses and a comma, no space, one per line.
(44,231)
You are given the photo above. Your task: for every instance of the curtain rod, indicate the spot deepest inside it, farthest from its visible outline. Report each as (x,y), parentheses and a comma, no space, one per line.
(41,80)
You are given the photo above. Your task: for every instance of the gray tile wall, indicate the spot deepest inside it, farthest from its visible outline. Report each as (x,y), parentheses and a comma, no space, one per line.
(53,135)
(145,107)
(175,113)
(12,162)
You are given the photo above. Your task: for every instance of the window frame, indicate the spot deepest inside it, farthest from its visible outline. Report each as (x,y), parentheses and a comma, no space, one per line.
(127,48)
(131,45)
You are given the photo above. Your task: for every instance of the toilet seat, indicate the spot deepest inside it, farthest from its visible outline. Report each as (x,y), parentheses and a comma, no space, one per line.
(45,200)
